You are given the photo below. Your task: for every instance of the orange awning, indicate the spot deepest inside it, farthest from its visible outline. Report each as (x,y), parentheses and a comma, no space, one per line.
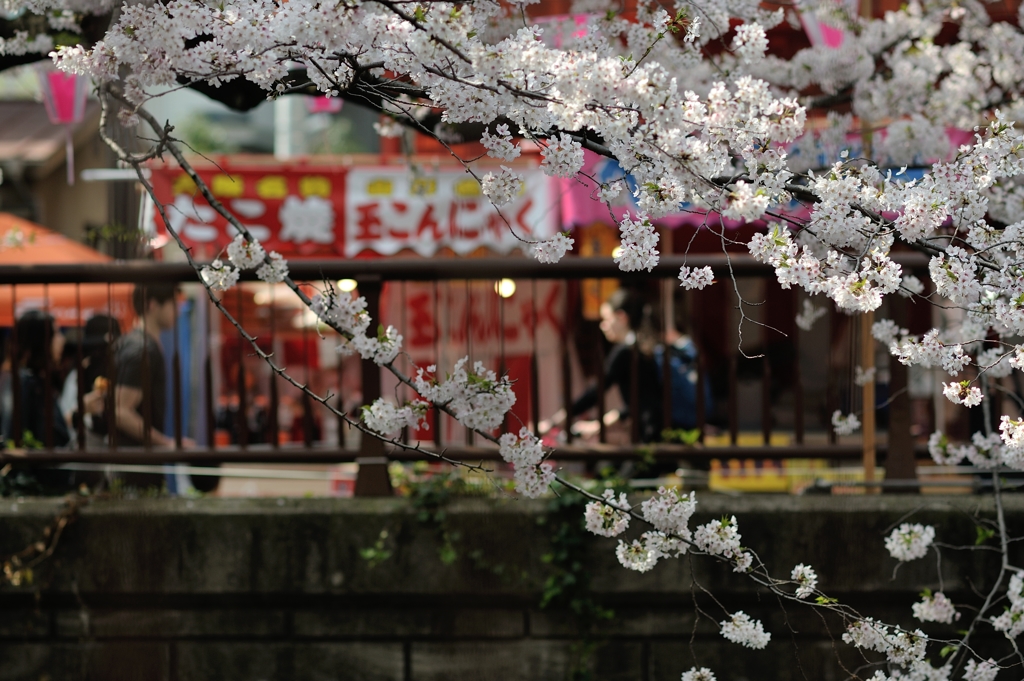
(26,243)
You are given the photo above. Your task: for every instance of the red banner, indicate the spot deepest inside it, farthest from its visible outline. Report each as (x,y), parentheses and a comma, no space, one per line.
(331,211)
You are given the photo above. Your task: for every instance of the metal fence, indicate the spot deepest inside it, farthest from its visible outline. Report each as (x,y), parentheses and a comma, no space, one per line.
(770,386)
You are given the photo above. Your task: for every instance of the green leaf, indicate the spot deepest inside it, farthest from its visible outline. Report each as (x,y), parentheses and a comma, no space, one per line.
(984,534)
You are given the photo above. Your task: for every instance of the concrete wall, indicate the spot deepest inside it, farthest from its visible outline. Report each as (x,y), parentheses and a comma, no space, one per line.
(276,589)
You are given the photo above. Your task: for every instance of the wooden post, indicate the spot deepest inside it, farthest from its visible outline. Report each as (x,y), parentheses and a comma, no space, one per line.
(867,363)
(899,459)
(372,480)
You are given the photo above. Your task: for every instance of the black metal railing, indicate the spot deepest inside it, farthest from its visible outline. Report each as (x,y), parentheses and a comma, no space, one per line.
(763,402)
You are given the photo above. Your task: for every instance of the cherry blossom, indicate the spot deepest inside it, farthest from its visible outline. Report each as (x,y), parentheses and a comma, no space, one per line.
(740,628)
(696,278)
(702,674)
(985,670)
(639,245)
(962,392)
(476,396)
(563,156)
(275,271)
(636,555)
(554,249)
(935,608)
(719,537)
(244,254)
(502,187)
(669,511)
(845,425)
(809,314)
(385,418)
(500,145)
(910,541)
(218,276)
(806,579)
(608,519)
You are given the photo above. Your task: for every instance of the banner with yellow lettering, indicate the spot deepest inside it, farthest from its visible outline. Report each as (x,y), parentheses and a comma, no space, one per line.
(323,211)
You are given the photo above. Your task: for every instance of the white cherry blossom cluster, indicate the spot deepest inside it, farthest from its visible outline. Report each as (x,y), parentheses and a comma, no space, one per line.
(911,286)
(962,392)
(910,541)
(502,187)
(984,451)
(1017,359)
(644,553)
(639,245)
(719,538)
(669,511)
(995,363)
(696,277)
(532,475)
(500,144)
(902,648)
(384,417)
(744,630)
(887,332)
(563,156)
(862,376)
(554,249)
(935,608)
(476,396)
(1011,432)
(275,271)
(636,555)
(219,276)
(344,311)
(809,314)
(985,670)
(245,254)
(1011,620)
(845,425)
(702,674)
(750,42)
(608,519)
(382,349)
(806,579)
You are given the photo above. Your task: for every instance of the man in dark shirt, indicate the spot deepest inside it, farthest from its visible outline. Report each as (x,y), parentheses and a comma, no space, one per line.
(141,384)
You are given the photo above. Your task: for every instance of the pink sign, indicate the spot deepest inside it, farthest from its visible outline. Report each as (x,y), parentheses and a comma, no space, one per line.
(64,96)
(64,99)
(328,105)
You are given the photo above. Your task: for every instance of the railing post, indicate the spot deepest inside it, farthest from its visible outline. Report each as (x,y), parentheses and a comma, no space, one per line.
(373,479)
(17,430)
(899,461)
(867,361)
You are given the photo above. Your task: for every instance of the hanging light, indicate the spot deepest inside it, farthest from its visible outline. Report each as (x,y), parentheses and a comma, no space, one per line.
(505,288)
(64,98)
(347,285)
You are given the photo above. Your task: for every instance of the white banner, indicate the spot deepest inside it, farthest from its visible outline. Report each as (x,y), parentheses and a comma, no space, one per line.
(388,210)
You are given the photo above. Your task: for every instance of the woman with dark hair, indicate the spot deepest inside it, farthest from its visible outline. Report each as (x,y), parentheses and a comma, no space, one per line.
(626,323)
(38,348)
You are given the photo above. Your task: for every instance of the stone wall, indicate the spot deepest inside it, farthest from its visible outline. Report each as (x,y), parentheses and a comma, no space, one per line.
(226,590)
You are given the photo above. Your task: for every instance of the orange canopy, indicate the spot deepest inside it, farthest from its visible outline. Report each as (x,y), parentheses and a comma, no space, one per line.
(26,243)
